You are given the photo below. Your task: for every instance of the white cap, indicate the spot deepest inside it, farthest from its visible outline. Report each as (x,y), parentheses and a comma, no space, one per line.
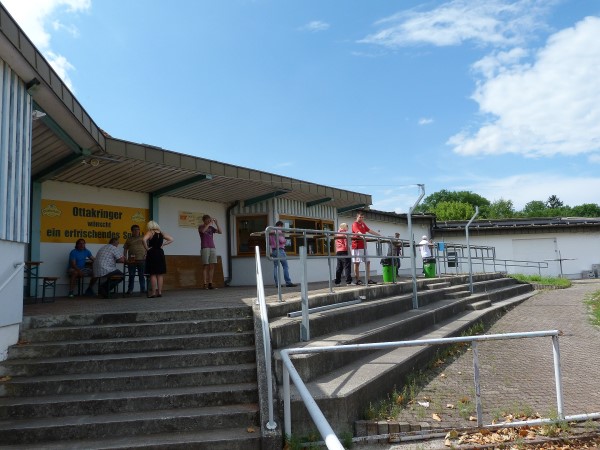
(424,237)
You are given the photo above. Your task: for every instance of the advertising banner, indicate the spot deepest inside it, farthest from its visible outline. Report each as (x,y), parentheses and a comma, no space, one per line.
(68,221)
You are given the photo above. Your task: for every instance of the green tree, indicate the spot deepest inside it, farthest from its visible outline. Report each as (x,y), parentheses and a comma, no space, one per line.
(586,210)
(431,201)
(554,202)
(454,211)
(500,209)
(534,208)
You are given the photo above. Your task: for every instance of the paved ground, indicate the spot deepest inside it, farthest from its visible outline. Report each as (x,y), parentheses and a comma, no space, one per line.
(518,375)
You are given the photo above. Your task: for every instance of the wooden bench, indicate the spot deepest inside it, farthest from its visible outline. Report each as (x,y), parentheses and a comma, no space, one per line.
(48,282)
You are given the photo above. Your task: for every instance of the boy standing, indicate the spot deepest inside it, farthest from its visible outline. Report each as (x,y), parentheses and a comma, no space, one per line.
(208,253)
(341,249)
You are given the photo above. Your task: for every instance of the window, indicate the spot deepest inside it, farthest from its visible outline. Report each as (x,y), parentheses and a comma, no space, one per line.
(315,246)
(245,225)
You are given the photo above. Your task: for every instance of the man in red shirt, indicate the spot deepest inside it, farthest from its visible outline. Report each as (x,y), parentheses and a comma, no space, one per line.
(359,251)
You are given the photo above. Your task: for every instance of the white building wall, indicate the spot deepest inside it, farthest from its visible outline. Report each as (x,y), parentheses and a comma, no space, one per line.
(11,296)
(579,250)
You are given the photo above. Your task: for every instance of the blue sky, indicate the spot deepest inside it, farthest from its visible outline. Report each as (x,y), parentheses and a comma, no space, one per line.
(497,97)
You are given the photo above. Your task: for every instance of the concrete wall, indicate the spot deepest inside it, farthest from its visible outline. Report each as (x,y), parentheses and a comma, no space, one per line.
(11,306)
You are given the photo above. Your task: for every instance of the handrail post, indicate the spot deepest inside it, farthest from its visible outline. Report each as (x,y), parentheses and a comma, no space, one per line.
(469,248)
(478,406)
(287,408)
(557,378)
(305,325)
(413,258)
(329,261)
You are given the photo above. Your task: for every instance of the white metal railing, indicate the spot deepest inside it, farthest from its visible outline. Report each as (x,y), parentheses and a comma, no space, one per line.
(266,335)
(331,440)
(18,267)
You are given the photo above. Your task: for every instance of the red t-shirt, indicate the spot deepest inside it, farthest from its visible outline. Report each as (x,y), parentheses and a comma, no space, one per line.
(359,227)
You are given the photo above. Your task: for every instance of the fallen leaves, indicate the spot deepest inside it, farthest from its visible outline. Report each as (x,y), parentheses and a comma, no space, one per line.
(436,417)
(5,379)
(250,430)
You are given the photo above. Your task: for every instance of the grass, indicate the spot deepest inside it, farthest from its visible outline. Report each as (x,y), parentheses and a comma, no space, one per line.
(549,281)
(593,302)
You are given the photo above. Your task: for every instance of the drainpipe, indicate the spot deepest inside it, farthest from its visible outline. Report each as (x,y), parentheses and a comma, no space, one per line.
(230,235)
(413,258)
(469,248)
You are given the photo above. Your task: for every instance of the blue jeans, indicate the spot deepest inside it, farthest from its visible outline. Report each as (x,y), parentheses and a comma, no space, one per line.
(131,269)
(284,264)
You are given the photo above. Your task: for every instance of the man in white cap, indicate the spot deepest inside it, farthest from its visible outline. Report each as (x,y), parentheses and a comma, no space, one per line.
(425,246)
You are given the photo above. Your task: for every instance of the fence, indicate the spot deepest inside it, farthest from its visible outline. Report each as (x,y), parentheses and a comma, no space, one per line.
(331,440)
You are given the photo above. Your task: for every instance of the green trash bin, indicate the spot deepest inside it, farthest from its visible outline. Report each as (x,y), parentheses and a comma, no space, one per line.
(429,268)
(388,274)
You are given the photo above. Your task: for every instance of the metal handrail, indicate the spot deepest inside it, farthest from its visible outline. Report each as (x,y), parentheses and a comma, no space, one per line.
(260,299)
(329,235)
(332,442)
(18,267)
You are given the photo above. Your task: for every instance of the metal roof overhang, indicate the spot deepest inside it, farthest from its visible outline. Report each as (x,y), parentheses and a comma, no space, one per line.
(67,141)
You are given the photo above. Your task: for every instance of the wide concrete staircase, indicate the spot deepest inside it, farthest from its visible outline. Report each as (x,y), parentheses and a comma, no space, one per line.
(344,383)
(176,379)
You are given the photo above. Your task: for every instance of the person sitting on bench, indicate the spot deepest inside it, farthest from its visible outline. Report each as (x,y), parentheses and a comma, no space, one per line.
(77,267)
(105,266)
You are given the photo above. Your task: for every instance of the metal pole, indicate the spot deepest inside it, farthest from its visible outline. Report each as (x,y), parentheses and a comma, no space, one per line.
(413,258)
(329,261)
(331,440)
(557,378)
(287,410)
(469,249)
(304,326)
(260,298)
(478,406)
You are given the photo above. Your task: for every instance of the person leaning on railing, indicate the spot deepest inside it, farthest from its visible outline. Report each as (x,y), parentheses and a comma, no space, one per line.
(277,244)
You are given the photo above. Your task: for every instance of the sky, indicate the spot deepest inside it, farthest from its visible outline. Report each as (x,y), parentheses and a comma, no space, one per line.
(496,97)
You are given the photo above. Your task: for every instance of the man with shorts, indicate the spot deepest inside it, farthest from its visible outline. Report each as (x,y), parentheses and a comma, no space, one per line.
(77,267)
(208,253)
(359,250)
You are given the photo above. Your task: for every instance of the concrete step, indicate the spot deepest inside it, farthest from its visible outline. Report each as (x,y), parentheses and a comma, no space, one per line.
(128,424)
(458,294)
(129,345)
(369,293)
(442,285)
(92,383)
(391,328)
(286,331)
(127,361)
(346,392)
(479,305)
(14,408)
(240,438)
(90,319)
(86,332)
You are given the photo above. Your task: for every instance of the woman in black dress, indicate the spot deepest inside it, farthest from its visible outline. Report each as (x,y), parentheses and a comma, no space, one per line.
(156,266)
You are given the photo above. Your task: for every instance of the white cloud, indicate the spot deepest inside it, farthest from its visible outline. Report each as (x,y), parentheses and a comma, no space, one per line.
(549,107)
(36,18)
(425,121)
(524,188)
(484,22)
(315,26)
